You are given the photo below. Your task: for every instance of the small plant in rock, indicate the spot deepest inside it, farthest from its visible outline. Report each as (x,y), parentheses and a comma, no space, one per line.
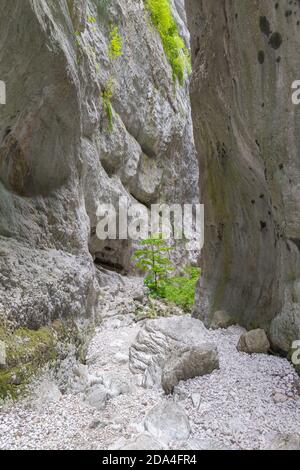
(115,44)
(151,258)
(91,19)
(107,95)
(173,44)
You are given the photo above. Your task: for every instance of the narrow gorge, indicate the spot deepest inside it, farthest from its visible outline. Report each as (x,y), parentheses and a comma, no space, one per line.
(118,343)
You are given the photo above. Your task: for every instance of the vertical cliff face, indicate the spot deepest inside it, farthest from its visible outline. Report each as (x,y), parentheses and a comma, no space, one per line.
(247,135)
(83,124)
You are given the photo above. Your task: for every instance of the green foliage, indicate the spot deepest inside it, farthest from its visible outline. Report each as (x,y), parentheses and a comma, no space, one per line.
(107,95)
(115,44)
(91,19)
(174,46)
(151,259)
(181,289)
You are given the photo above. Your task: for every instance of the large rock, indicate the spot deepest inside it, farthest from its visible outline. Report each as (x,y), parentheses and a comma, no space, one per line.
(168,350)
(37,286)
(168,422)
(58,157)
(187,362)
(255,341)
(97,397)
(246,132)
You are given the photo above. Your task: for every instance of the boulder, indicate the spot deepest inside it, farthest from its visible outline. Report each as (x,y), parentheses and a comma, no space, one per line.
(254,341)
(97,397)
(188,362)
(168,422)
(168,350)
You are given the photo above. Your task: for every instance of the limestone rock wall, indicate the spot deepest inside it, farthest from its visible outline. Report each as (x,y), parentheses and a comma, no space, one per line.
(245,56)
(58,156)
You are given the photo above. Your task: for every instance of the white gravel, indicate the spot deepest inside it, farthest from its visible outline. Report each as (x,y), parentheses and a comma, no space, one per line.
(236,403)
(250,403)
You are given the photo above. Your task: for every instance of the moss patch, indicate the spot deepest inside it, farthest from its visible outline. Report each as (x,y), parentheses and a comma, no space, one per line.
(115,44)
(27,351)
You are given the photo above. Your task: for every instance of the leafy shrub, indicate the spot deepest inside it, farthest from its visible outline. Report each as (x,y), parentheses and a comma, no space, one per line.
(115,44)
(181,289)
(91,19)
(174,46)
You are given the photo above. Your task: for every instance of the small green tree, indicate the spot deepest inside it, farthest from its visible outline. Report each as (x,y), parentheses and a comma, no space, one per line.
(151,259)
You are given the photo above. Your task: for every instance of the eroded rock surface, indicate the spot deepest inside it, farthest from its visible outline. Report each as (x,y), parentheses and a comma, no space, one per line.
(246,131)
(60,157)
(188,362)
(168,350)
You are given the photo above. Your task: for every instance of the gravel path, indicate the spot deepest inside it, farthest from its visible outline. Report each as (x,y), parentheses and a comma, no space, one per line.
(252,402)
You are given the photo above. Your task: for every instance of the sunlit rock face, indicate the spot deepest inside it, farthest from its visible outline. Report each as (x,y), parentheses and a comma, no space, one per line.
(247,135)
(60,155)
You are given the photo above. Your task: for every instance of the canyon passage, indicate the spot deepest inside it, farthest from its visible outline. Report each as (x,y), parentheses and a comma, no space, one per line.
(115,344)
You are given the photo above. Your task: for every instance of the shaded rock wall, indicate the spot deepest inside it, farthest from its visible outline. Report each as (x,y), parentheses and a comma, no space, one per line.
(58,156)
(247,135)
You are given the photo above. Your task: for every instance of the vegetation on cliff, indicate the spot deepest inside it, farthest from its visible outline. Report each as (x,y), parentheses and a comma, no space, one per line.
(173,44)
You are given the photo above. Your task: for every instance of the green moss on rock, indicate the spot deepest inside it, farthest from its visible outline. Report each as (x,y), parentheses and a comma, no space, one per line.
(173,44)
(27,351)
